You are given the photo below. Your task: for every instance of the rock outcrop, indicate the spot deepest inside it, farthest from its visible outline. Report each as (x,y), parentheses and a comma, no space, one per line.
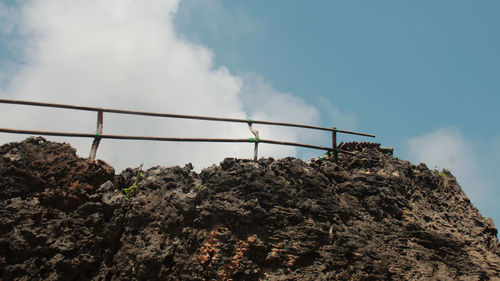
(369,217)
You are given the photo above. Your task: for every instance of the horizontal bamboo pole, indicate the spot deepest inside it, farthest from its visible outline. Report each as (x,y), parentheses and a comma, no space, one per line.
(169,115)
(124,137)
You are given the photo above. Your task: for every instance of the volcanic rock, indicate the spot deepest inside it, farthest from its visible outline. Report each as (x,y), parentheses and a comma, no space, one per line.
(368,217)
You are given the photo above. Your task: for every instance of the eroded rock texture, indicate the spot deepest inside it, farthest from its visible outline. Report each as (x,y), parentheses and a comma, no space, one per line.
(370,217)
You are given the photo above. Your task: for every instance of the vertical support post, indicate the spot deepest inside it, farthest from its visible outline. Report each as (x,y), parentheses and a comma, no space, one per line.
(256,147)
(256,134)
(334,145)
(97,139)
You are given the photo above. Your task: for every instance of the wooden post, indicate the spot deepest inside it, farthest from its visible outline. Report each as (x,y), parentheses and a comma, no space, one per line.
(256,134)
(97,139)
(334,144)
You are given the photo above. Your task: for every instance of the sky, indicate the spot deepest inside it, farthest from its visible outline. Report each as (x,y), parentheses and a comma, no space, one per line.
(423,76)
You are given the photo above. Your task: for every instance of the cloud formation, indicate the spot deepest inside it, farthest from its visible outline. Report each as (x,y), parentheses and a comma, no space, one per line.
(445,148)
(337,116)
(262,102)
(449,149)
(127,54)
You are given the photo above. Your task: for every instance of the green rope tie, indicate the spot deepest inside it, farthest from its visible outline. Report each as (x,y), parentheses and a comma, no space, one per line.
(255,140)
(97,135)
(250,121)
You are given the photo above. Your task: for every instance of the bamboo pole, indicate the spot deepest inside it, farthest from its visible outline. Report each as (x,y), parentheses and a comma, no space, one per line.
(152,138)
(169,115)
(97,138)
(334,144)
(256,134)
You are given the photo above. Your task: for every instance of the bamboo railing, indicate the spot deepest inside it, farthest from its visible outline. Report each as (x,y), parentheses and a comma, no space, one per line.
(100,124)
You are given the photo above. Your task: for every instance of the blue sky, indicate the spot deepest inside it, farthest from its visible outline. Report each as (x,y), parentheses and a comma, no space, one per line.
(423,75)
(398,66)
(401,69)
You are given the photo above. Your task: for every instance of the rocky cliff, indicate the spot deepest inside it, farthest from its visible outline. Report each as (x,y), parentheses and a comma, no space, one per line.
(369,217)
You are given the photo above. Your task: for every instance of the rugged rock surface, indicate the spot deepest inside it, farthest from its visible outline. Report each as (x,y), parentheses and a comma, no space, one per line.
(369,217)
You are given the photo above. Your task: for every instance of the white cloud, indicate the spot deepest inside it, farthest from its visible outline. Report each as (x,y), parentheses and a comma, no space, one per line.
(262,102)
(127,54)
(449,149)
(344,120)
(445,148)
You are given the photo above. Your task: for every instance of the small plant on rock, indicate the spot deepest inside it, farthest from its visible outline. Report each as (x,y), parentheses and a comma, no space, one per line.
(129,190)
(200,187)
(443,173)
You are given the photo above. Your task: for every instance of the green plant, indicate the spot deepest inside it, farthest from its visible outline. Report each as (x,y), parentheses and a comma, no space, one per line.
(129,190)
(443,173)
(200,187)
